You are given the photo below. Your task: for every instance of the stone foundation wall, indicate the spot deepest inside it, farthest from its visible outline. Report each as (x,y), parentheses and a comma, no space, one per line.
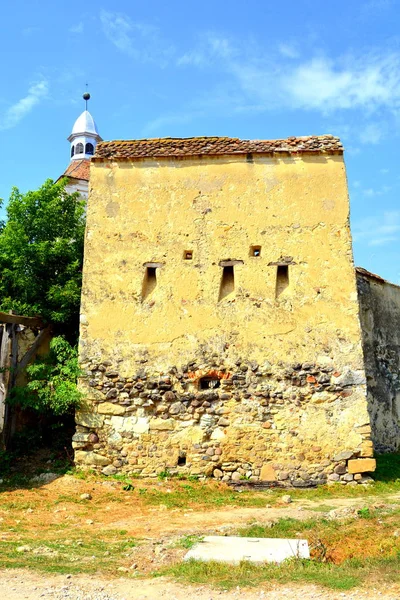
(286,422)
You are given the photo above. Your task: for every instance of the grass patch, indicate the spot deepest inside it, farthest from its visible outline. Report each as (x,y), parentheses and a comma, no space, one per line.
(220,575)
(339,577)
(286,528)
(188,541)
(202,493)
(76,555)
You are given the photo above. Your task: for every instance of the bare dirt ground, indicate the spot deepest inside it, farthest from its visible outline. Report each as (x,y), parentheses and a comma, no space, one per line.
(26,585)
(111,508)
(58,504)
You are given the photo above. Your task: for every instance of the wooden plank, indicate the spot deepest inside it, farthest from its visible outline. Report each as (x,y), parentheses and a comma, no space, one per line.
(23,363)
(20,320)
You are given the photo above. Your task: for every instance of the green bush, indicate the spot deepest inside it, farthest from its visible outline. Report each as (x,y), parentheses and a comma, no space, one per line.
(51,386)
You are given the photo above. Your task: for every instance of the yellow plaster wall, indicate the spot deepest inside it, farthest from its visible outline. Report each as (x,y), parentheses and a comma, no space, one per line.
(147,211)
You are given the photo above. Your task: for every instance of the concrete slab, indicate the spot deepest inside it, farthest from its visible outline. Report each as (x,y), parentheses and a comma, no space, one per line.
(233,550)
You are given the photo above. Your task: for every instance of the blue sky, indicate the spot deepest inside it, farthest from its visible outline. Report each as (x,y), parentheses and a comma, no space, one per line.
(252,70)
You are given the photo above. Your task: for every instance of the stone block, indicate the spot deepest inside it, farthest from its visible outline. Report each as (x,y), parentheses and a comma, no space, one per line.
(345,455)
(91,459)
(107,408)
(234,550)
(86,419)
(218,434)
(81,437)
(350,377)
(162,424)
(361,465)
(109,470)
(267,473)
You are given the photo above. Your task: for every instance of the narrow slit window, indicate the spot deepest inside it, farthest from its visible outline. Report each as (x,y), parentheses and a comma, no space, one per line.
(149,282)
(282,279)
(255,251)
(188,254)
(227,282)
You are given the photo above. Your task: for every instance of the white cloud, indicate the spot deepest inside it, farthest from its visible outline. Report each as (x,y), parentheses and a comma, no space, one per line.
(370,192)
(288,50)
(372,133)
(266,81)
(210,48)
(15,113)
(140,41)
(379,230)
(78,28)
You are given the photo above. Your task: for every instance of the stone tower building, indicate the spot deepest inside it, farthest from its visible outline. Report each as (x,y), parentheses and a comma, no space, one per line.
(220,329)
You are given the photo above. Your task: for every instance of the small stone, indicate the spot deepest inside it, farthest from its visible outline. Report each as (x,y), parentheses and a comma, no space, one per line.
(345,455)
(24,549)
(113,393)
(333,477)
(236,476)
(109,470)
(85,497)
(176,408)
(89,521)
(267,473)
(286,499)
(340,469)
(223,422)
(123,569)
(218,473)
(366,480)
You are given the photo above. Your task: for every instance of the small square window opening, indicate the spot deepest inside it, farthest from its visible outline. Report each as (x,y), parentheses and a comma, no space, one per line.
(188,254)
(209,383)
(255,251)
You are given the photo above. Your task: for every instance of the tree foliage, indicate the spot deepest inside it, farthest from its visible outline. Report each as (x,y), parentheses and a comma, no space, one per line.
(41,255)
(51,386)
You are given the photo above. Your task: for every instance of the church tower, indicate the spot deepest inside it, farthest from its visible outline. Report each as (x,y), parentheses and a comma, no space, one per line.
(83,138)
(84,135)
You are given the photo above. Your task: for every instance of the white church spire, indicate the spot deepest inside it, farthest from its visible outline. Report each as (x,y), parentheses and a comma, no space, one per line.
(84,135)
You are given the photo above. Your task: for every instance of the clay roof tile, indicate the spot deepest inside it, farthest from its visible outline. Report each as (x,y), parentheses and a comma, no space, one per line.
(197,146)
(78,169)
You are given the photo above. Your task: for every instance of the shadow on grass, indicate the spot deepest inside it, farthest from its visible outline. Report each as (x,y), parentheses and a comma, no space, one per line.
(34,458)
(387,468)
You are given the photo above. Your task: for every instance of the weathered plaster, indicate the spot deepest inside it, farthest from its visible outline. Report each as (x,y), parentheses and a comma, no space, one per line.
(291,368)
(380,319)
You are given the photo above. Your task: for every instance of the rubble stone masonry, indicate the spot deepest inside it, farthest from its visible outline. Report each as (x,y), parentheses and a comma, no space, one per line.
(220,330)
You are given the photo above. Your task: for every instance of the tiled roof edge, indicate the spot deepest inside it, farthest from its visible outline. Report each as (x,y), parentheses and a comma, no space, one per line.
(199,146)
(365,273)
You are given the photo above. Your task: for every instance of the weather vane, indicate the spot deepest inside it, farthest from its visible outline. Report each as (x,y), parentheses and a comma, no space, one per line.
(86,97)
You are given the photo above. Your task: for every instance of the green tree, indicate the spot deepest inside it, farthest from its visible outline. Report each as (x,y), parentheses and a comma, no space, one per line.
(41,255)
